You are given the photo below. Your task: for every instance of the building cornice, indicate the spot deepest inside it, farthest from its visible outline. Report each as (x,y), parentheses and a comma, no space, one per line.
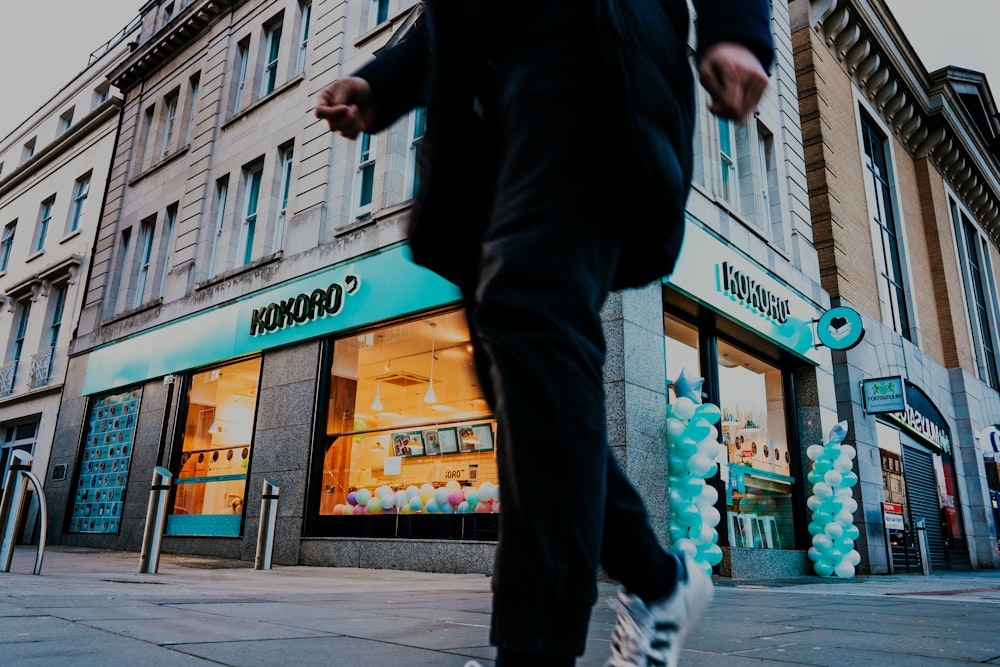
(65,141)
(922,110)
(164,45)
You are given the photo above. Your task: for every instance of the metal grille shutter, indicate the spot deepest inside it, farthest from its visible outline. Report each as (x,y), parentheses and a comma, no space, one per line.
(921,491)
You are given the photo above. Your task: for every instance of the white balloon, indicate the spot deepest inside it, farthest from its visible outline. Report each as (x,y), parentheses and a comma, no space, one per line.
(675,428)
(687,546)
(851,505)
(833,478)
(814,452)
(853,557)
(822,489)
(833,530)
(844,570)
(710,516)
(683,408)
(699,465)
(844,518)
(822,542)
(848,451)
(844,492)
(709,495)
(843,463)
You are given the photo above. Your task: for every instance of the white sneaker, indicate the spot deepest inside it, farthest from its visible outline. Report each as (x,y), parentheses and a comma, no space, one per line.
(648,636)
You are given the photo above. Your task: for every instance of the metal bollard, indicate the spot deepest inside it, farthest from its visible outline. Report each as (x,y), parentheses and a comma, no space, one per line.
(925,556)
(10,506)
(156,520)
(268,517)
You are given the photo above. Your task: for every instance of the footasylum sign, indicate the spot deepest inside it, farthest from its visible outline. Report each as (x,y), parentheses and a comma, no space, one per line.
(882,395)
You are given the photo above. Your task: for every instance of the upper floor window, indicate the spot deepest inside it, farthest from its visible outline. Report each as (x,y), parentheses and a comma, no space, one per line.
(251,195)
(727,160)
(44,218)
(284,185)
(166,246)
(6,243)
(169,116)
(886,243)
(57,304)
(379,12)
(192,106)
(147,137)
(144,256)
(65,120)
(168,14)
(366,175)
(80,192)
(101,93)
(242,54)
(418,125)
(22,311)
(305,13)
(272,46)
(221,194)
(28,149)
(124,245)
(974,257)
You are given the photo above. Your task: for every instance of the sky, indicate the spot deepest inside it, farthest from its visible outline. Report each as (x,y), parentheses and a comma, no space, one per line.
(45,43)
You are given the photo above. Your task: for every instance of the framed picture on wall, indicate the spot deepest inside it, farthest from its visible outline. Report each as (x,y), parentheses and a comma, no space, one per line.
(415,444)
(448,440)
(431,443)
(467,439)
(484,437)
(399,442)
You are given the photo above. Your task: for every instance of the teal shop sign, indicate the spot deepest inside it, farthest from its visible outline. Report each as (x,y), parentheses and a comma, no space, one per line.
(883,395)
(373,288)
(729,281)
(840,328)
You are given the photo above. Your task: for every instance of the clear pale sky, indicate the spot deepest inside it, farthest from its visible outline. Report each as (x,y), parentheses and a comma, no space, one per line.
(44,43)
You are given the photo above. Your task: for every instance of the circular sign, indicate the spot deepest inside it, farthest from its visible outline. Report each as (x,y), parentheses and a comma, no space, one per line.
(840,328)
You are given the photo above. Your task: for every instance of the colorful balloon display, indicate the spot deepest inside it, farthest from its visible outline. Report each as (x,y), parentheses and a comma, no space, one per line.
(832,503)
(693,448)
(452,498)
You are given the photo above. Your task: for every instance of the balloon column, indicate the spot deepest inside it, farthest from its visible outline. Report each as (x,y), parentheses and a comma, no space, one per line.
(833,506)
(692,449)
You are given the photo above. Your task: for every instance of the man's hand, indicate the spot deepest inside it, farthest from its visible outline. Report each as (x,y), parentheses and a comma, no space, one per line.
(347,106)
(734,77)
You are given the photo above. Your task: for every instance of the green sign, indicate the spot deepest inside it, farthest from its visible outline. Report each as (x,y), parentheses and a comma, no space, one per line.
(882,395)
(840,328)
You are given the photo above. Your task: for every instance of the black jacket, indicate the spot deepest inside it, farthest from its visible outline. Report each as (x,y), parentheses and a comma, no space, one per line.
(645,48)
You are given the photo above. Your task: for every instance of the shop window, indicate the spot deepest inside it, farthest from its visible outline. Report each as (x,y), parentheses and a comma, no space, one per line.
(104,463)
(759,495)
(19,437)
(408,434)
(681,350)
(214,456)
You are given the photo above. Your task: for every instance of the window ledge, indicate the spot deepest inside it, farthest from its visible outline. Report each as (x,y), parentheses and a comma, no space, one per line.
(240,270)
(124,315)
(36,255)
(164,161)
(371,219)
(243,113)
(72,235)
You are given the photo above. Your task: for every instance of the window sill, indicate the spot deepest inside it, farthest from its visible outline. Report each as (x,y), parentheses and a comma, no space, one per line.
(72,235)
(36,255)
(240,270)
(371,219)
(124,315)
(280,90)
(164,161)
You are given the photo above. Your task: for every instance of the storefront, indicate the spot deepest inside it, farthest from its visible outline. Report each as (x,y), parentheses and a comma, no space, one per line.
(919,480)
(747,332)
(391,438)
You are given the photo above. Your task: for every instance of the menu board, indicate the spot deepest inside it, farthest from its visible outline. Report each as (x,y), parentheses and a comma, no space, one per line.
(104,465)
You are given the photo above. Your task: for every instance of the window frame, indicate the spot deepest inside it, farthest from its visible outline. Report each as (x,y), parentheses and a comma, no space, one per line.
(305,17)
(270,57)
(252,181)
(81,191)
(221,196)
(7,244)
(365,175)
(285,162)
(44,222)
(143,260)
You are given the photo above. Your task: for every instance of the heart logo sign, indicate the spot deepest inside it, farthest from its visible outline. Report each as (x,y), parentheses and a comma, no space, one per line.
(840,328)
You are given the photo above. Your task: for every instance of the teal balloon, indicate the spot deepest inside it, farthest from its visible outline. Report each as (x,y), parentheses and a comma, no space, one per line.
(690,486)
(697,429)
(843,545)
(712,471)
(685,447)
(677,465)
(848,480)
(688,385)
(823,568)
(816,528)
(822,517)
(711,555)
(833,556)
(710,412)
(687,515)
(814,554)
(677,531)
(814,476)
(852,532)
(822,467)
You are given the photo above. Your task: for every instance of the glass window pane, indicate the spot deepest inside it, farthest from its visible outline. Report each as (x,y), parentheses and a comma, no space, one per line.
(759,493)
(407,423)
(681,350)
(215,452)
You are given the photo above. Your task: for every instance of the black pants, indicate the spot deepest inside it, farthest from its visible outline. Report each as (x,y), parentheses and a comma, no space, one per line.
(547,262)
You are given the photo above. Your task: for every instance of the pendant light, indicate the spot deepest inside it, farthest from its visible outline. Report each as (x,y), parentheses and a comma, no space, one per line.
(430,396)
(377,403)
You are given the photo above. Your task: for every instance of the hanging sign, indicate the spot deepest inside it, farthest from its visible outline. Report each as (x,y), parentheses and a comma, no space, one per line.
(840,328)
(882,395)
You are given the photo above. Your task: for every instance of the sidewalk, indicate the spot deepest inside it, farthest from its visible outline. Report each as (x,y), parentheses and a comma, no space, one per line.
(89,607)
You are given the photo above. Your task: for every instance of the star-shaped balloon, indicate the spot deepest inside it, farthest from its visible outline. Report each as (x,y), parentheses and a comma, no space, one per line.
(689,385)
